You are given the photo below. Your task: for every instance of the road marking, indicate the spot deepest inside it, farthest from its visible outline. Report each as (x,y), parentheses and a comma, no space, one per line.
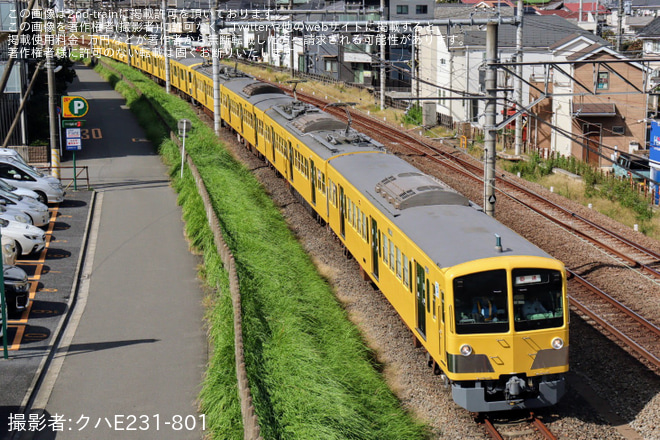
(39,264)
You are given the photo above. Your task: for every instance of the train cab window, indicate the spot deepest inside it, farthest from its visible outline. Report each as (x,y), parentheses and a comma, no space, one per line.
(537,299)
(480,302)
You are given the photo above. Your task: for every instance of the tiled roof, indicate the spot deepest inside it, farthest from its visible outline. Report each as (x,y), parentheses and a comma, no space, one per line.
(538,31)
(651,30)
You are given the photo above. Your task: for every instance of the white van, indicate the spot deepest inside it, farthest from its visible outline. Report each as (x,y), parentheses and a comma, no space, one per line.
(48,188)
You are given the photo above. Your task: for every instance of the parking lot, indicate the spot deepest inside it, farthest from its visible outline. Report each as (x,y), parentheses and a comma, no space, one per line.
(52,273)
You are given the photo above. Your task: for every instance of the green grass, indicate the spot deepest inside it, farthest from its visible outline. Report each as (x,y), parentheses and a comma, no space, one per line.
(607,194)
(311,374)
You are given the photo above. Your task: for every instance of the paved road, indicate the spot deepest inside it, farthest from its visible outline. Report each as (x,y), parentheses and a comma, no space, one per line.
(132,368)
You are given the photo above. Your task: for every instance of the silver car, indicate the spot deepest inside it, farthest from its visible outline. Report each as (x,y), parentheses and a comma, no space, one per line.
(48,188)
(38,212)
(18,191)
(29,239)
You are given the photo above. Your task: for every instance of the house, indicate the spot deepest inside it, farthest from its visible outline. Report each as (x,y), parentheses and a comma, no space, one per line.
(594,111)
(451,63)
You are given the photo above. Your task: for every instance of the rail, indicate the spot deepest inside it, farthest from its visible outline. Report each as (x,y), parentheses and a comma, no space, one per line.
(251,428)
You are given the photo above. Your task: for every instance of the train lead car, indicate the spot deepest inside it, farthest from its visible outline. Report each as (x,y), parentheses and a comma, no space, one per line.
(489,307)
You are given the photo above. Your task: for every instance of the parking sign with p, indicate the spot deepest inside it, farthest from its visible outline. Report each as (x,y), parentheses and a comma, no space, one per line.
(74,106)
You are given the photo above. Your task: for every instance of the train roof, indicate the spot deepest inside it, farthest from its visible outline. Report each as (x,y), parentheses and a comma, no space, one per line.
(443,223)
(324,134)
(187,61)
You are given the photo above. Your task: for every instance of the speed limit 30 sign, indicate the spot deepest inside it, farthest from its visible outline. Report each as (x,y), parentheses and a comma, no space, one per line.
(74,106)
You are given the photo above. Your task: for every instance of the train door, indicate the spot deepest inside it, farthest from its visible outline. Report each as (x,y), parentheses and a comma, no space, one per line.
(374,248)
(420,279)
(290,158)
(313,178)
(342,212)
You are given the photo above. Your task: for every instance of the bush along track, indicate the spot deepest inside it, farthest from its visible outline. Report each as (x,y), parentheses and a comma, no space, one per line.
(311,375)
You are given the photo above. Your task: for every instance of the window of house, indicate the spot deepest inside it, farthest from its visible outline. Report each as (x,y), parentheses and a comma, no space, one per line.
(603,81)
(402,9)
(331,66)
(421,9)
(618,129)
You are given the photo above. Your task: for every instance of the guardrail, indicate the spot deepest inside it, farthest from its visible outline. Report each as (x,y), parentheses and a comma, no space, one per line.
(251,428)
(77,174)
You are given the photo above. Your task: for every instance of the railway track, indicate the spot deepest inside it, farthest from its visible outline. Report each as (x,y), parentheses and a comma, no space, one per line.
(640,337)
(634,333)
(527,427)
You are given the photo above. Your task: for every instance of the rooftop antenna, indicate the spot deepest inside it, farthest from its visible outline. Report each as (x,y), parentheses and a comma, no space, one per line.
(295,84)
(348,114)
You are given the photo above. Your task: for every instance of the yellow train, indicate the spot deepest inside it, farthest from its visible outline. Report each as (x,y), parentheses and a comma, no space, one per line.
(490,308)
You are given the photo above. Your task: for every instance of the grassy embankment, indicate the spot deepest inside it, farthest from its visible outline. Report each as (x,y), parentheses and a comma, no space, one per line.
(312,377)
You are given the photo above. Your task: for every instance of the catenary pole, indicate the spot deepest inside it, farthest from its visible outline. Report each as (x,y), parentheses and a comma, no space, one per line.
(519,84)
(490,113)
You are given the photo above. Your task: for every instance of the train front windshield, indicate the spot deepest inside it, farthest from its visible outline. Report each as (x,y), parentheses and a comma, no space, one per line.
(481,301)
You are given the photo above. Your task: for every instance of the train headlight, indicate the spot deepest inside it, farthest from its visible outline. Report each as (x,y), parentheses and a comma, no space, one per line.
(466,350)
(557,343)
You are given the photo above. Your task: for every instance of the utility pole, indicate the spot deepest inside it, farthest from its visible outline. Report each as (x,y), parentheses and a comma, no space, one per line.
(52,114)
(519,85)
(291,54)
(619,30)
(166,46)
(489,125)
(382,55)
(215,59)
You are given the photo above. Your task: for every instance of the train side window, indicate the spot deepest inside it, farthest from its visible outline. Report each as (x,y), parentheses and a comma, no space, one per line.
(398,262)
(442,305)
(435,296)
(392,260)
(428,302)
(406,274)
(386,252)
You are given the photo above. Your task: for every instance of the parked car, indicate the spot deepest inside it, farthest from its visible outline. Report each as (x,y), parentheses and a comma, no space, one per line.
(8,250)
(628,165)
(48,188)
(17,288)
(37,211)
(29,238)
(18,191)
(14,215)
(13,155)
